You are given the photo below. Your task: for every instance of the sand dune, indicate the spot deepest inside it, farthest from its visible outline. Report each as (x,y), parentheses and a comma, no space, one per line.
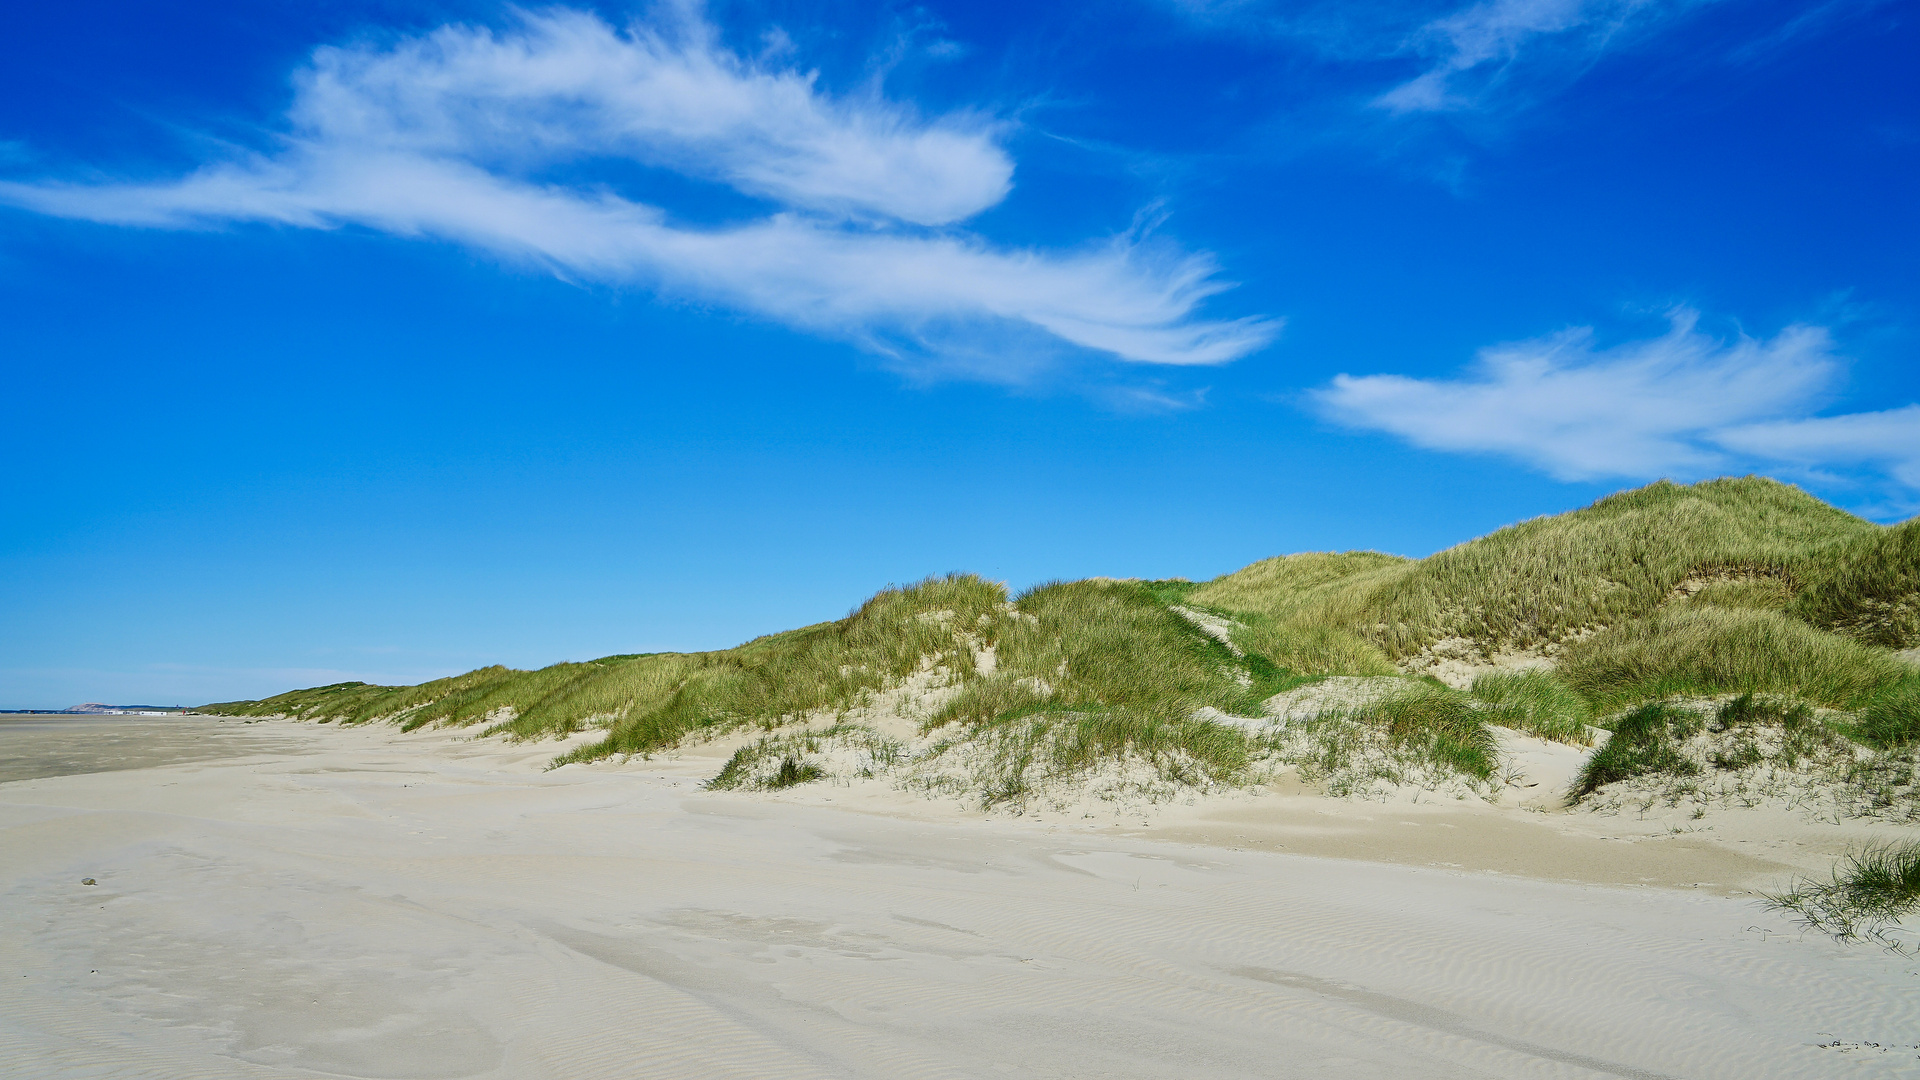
(344,903)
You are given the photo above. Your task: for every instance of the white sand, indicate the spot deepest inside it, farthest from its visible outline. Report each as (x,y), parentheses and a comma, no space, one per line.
(371,904)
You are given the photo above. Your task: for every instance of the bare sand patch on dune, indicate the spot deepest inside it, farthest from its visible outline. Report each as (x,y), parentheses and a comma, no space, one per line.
(357,904)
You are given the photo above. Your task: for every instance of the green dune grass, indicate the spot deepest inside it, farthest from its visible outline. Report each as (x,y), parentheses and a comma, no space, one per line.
(1704,651)
(1536,702)
(1643,742)
(1538,582)
(1890,720)
(1870,589)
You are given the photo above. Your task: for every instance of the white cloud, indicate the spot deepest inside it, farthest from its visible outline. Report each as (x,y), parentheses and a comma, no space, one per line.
(1489,56)
(1683,403)
(1475,45)
(1888,439)
(568,85)
(457,135)
(1476,56)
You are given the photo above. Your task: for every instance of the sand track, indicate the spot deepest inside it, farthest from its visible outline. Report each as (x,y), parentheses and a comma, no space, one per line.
(369,907)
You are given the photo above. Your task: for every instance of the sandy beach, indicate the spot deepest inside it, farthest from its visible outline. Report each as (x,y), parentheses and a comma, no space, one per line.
(300,900)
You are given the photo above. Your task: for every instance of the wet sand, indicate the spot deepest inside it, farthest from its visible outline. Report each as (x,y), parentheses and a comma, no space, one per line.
(360,903)
(37,746)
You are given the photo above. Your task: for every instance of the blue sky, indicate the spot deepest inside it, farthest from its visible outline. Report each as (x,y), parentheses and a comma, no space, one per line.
(384,341)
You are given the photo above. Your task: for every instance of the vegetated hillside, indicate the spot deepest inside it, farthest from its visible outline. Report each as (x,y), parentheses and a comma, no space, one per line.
(1685,596)
(1538,583)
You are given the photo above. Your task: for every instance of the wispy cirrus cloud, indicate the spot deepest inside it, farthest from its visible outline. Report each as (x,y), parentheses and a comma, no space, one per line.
(1487,56)
(1471,51)
(1681,404)
(568,86)
(482,137)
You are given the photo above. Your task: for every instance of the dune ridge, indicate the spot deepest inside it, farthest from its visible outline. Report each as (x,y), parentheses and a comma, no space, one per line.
(1771,628)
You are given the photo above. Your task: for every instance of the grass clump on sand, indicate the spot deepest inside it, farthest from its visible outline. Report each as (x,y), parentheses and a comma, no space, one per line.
(1706,651)
(1790,732)
(1870,891)
(1419,733)
(786,759)
(1887,783)
(1644,741)
(1536,702)
(1738,752)
(1440,724)
(1127,756)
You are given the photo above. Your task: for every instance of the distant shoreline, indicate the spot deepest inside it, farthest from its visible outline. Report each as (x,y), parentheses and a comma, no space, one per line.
(110,710)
